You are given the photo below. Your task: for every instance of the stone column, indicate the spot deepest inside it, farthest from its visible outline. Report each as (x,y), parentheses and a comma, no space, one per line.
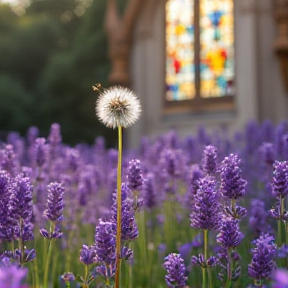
(281,43)
(119,30)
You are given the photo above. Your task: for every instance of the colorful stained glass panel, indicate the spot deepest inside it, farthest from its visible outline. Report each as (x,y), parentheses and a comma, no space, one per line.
(180,71)
(217,48)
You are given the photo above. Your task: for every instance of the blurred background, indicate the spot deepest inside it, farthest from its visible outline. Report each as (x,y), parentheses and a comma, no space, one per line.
(51,52)
(217,64)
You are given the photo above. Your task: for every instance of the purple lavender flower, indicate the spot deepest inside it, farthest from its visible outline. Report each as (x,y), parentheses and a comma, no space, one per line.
(281,130)
(196,175)
(210,160)
(8,160)
(21,199)
(12,276)
(232,184)
(54,140)
(55,137)
(40,151)
(149,190)
(55,234)
(285,146)
(206,207)
(172,162)
(258,217)
(68,276)
(126,253)
(134,175)
(262,264)
(32,134)
(105,242)
(280,278)
(176,271)
(73,160)
(267,131)
(267,153)
(55,203)
(236,212)
(88,255)
(202,135)
(6,225)
(67,279)
(229,235)
(21,207)
(200,261)
(280,179)
(129,230)
(252,136)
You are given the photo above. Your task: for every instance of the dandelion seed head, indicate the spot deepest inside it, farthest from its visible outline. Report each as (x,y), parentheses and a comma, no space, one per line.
(118,106)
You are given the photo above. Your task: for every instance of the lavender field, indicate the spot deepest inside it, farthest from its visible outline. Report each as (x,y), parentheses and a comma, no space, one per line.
(208,210)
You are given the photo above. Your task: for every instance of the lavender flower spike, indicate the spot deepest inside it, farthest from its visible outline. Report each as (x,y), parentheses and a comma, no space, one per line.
(176,271)
(232,184)
(88,255)
(134,175)
(6,226)
(205,211)
(229,236)
(40,152)
(55,203)
(280,179)
(209,160)
(105,242)
(262,263)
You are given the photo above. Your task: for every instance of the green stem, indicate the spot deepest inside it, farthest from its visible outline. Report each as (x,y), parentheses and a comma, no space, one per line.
(35,264)
(233,206)
(205,237)
(258,283)
(45,279)
(280,221)
(13,247)
(229,268)
(21,243)
(85,284)
(119,202)
(210,280)
(205,244)
(203,277)
(48,258)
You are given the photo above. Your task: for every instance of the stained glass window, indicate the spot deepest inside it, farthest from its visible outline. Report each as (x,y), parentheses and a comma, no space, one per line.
(206,25)
(180,72)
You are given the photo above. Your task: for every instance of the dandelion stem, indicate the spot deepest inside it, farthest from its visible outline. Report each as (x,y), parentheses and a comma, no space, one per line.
(119,202)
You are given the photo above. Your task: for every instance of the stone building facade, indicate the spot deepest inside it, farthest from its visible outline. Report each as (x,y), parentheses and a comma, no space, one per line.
(137,53)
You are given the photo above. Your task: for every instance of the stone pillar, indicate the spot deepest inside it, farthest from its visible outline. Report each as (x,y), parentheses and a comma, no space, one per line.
(119,30)
(281,43)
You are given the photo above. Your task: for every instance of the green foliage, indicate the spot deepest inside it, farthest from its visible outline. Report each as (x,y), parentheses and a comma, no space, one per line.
(8,19)
(15,108)
(55,53)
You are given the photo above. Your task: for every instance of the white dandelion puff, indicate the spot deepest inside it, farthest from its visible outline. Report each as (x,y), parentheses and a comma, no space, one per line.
(118,106)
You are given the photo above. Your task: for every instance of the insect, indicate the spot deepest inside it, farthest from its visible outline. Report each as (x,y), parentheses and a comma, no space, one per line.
(97,87)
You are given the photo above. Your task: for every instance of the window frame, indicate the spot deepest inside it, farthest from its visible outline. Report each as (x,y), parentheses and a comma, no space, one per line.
(198,103)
